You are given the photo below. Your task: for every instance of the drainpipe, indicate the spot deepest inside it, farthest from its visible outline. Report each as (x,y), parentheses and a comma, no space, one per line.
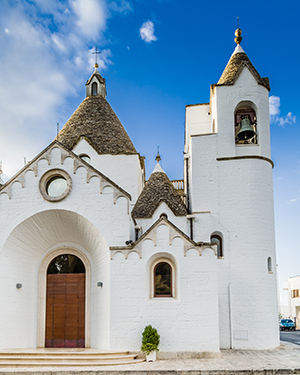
(191,219)
(187,188)
(230,317)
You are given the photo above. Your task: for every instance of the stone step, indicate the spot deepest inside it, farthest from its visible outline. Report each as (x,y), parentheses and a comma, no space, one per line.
(63,354)
(66,363)
(64,357)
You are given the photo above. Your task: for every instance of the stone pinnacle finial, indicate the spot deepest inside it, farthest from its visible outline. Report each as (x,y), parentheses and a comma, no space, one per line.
(158,158)
(238,32)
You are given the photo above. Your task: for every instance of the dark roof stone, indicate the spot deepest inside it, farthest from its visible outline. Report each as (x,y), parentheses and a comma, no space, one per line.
(234,68)
(158,189)
(96,121)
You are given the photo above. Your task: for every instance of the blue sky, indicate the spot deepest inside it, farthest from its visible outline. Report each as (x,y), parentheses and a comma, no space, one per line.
(157,56)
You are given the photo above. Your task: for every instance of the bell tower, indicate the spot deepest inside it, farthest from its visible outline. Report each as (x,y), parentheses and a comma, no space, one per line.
(228,178)
(240,106)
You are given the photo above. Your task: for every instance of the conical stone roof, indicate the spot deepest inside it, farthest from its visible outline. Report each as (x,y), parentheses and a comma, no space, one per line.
(235,65)
(96,121)
(158,189)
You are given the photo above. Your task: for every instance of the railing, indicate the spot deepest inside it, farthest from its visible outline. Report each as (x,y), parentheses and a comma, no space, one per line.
(178,184)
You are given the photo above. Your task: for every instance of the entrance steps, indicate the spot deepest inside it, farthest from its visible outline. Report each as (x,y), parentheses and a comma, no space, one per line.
(44,357)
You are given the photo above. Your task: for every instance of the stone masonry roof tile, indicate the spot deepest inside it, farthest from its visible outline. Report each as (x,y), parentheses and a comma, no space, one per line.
(96,121)
(234,68)
(158,189)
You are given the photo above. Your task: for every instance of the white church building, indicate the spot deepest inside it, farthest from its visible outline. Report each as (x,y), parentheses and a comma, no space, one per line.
(91,252)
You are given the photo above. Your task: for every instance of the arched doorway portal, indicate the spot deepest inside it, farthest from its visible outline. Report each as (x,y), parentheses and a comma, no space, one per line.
(65,302)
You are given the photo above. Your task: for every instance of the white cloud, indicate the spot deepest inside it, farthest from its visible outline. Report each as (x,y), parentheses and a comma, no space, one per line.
(288,119)
(274,104)
(59,43)
(147,32)
(44,44)
(275,118)
(122,6)
(292,201)
(103,59)
(91,16)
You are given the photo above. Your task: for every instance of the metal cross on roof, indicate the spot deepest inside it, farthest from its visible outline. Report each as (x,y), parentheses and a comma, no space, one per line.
(96,53)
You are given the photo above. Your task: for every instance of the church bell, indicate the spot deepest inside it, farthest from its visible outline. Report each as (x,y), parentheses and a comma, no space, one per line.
(246,130)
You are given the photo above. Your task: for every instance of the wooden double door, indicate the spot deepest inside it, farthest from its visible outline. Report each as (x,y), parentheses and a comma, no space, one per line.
(65,310)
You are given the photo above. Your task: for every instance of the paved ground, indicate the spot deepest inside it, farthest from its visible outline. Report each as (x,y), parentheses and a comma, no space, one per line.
(290,336)
(283,360)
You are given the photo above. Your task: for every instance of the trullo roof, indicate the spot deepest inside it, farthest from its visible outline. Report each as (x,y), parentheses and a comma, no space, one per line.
(158,189)
(233,69)
(96,121)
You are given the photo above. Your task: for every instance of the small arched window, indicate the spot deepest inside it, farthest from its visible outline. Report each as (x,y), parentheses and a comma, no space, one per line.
(217,240)
(94,88)
(86,158)
(245,126)
(269,263)
(163,280)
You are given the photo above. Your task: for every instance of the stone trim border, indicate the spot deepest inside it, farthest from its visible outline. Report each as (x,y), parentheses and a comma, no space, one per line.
(247,157)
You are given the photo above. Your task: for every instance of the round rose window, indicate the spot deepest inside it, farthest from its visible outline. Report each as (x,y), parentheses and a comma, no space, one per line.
(55,185)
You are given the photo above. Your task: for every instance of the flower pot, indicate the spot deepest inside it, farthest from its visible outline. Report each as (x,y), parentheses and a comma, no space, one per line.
(151,357)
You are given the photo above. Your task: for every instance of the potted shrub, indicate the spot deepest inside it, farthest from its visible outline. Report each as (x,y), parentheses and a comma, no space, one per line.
(150,343)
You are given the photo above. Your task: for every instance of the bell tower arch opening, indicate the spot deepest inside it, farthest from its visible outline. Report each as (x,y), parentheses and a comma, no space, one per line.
(245,124)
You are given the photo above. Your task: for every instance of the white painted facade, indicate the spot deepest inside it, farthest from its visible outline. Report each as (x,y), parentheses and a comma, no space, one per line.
(227,301)
(292,310)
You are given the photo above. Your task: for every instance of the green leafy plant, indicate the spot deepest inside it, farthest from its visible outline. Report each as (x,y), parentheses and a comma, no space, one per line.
(150,340)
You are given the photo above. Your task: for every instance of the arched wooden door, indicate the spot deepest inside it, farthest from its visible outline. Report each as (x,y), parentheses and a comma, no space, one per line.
(65,303)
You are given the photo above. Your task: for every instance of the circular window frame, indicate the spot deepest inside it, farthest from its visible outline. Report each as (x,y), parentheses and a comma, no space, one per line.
(46,177)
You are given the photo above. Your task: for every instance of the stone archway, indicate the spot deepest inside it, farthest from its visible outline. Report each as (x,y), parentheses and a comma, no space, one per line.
(26,254)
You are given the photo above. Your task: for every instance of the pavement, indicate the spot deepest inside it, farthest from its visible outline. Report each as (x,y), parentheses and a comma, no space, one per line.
(282,360)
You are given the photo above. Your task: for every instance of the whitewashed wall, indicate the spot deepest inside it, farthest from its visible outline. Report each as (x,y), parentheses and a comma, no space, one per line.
(187,322)
(31,227)
(235,198)
(124,170)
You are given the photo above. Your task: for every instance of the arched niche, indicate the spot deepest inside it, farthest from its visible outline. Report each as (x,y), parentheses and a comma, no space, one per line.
(245,123)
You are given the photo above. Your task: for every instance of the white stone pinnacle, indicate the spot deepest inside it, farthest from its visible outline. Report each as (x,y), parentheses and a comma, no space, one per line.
(238,49)
(158,168)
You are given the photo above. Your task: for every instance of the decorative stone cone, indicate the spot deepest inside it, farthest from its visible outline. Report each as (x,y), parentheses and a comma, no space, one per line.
(151,357)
